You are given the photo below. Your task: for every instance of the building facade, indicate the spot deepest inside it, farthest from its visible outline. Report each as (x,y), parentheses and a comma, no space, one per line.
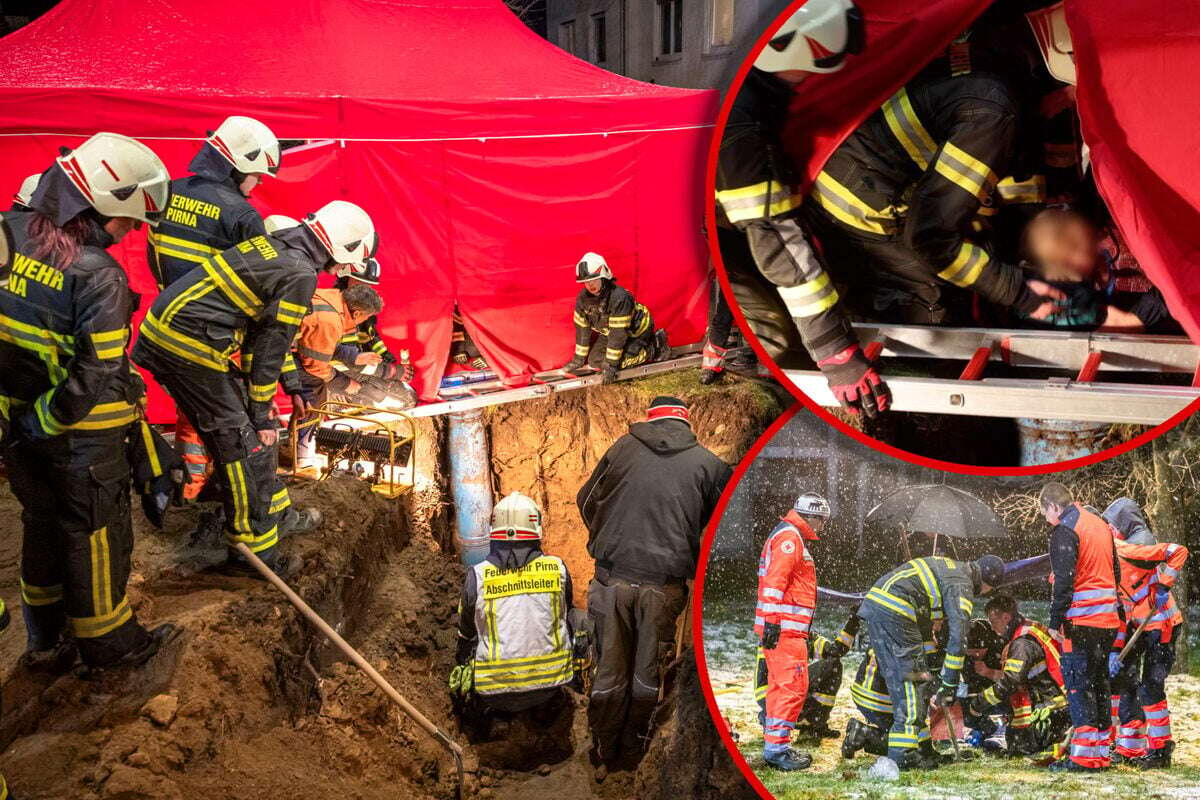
(696,44)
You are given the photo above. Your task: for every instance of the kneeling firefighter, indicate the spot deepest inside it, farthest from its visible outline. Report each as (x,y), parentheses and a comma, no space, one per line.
(613,331)
(514,623)
(252,298)
(69,398)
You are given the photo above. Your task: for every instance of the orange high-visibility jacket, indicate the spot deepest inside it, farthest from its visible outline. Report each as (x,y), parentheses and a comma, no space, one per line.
(1145,567)
(1092,601)
(320,332)
(787,579)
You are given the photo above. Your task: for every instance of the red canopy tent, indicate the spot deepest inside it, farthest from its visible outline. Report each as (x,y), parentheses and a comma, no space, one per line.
(1136,102)
(489,159)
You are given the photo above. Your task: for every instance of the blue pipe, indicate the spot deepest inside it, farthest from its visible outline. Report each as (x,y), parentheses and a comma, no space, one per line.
(1048,441)
(471,485)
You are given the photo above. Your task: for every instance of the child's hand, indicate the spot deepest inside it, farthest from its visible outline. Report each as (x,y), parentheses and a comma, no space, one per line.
(1052,299)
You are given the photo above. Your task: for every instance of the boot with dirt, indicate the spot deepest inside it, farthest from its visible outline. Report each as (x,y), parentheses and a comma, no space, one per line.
(284,566)
(158,638)
(787,760)
(709,376)
(302,521)
(856,737)
(662,350)
(55,660)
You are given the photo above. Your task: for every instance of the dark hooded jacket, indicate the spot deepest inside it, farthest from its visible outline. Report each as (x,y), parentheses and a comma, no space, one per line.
(648,500)
(1126,516)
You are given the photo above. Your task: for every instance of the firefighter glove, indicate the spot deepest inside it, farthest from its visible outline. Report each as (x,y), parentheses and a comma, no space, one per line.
(462,679)
(1039,721)
(856,382)
(1114,664)
(608,374)
(770,635)
(574,365)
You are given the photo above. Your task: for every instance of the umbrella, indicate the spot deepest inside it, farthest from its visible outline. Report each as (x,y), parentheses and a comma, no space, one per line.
(939,510)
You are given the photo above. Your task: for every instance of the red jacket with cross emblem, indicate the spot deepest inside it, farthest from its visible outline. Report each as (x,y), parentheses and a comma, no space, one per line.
(787,579)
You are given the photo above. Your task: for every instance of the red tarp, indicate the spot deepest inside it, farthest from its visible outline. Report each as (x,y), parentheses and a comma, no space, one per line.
(489,159)
(1137,102)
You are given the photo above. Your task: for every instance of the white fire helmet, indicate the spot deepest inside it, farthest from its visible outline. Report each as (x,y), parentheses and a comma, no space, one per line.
(369,274)
(119,177)
(591,267)
(516,518)
(812,505)
(1054,40)
(28,187)
(816,38)
(247,144)
(347,233)
(278,222)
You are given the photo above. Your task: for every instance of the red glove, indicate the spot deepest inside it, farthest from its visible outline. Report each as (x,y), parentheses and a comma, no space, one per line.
(855,382)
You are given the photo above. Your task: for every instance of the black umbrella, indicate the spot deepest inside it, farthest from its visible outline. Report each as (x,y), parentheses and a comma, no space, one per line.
(938,510)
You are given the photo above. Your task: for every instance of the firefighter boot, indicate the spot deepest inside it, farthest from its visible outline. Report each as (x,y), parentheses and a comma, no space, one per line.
(662,350)
(155,640)
(1155,759)
(856,737)
(302,521)
(283,566)
(788,760)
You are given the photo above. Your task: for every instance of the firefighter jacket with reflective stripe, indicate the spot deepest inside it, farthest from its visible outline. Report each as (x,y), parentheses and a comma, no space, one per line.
(926,589)
(520,620)
(252,298)
(918,171)
(838,646)
(204,217)
(757,194)
(63,332)
(320,333)
(787,580)
(1032,668)
(1144,569)
(612,313)
(1083,562)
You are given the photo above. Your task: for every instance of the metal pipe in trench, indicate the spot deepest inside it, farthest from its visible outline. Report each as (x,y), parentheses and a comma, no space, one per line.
(471,484)
(1048,441)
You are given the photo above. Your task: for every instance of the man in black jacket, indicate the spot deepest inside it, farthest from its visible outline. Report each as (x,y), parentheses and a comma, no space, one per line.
(645,507)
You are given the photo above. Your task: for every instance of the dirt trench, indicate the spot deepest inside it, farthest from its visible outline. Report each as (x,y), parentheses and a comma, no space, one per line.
(251,703)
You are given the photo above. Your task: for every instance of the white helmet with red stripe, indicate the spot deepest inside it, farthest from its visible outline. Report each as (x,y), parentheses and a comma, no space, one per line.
(24,194)
(346,231)
(592,266)
(119,177)
(816,38)
(247,144)
(1054,40)
(516,518)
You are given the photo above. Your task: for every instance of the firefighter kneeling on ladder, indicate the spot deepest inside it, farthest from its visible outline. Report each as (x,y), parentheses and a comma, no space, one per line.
(515,626)
(1030,686)
(623,330)
(252,297)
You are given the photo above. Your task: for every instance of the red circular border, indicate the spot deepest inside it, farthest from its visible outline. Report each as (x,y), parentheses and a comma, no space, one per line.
(710,222)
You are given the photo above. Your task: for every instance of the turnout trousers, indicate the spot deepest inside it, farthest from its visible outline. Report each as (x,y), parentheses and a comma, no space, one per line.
(638,351)
(824,680)
(765,312)
(1085,677)
(635,641)
(253,495)
(1145,718)
(899,650)
(78,539)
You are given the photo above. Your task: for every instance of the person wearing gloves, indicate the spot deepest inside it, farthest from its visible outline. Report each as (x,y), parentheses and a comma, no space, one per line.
(69,400)
(899,611)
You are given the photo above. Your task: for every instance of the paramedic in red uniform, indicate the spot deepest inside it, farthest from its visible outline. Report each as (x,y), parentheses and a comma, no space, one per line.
(787,598)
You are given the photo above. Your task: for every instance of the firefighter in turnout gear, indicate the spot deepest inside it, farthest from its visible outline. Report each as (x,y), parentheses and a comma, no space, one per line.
(613,331)
(898,196)
(824,679)
(777,277)
(514,629)
(1030,684)
(1085,608)
(70,398)
(787,600)
(251,297)
(899,611)
(209,213)
(645,506)
(869,691)
(364,347)
(1148,571)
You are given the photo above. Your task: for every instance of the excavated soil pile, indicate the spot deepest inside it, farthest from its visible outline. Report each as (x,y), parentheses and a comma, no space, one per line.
(251,703)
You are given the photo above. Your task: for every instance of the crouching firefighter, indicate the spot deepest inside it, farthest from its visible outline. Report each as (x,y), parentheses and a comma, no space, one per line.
(824,680)
(787,600)
(899,611)
(1030,685)
(613,331)
(514,628)
(1148,571)
(252,297)
(69,398)
(869,691)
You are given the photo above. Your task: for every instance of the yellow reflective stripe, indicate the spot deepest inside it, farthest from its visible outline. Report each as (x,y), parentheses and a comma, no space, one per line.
(41,595)
(46,417)
(290,313)
(904,124)
(289,364)
(525,661)
(232,286)
(101,586)
(966,605)
(965,171)
(30,337)
(106,415)
(765,199)
(549,677)
(1013,665)
(967,265)
(1032,190)
(279,501)
(262,393)
(581,349)
(580,320)
(109,344)
(195,258)
(620,322)
(93,627)
(811,297)
(236,474)
(990,697)
(842,205)
(953,662)
(892,603)
(194,292)
(611,354)
(151,450)
(644,324)
(183,346)
(161,238)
